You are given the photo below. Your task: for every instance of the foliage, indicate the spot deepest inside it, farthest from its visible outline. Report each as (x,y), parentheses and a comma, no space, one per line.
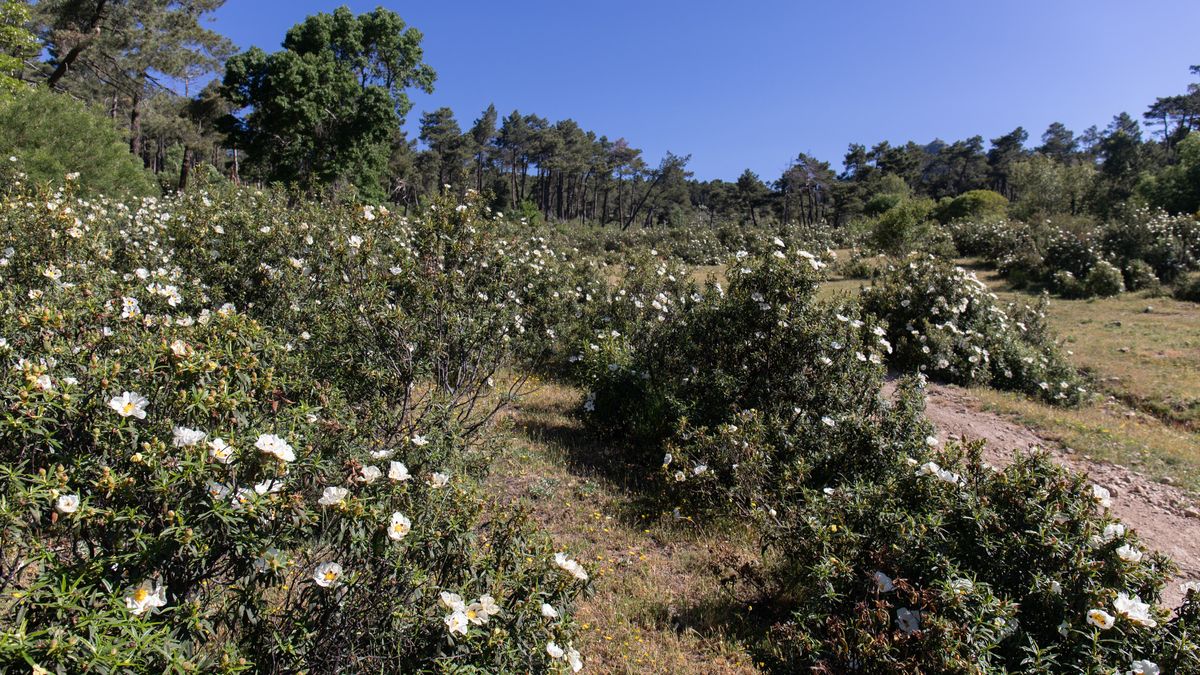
(943,322)
(325,108)
(192,483)
(975,204)
(17,43)
(1103,280)
(52,136)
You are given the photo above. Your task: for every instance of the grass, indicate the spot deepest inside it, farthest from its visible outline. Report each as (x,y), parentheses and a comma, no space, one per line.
(660,603)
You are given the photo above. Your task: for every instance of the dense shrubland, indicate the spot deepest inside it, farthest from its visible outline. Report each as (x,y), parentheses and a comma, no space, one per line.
(1140,250)
(882,550)
(237,436)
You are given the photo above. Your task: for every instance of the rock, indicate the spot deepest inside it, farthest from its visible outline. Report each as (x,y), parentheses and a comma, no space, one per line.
(1167,480)
(1192,512)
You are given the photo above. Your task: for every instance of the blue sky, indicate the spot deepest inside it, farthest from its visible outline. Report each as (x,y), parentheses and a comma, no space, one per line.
(750,84)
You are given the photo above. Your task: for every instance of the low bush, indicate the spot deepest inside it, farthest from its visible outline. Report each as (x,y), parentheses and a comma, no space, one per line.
(943,322)
(1104,280)
(289,482)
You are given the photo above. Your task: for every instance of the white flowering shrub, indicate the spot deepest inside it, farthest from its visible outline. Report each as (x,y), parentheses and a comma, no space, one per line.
(943,322)
(217,465)
(949,565)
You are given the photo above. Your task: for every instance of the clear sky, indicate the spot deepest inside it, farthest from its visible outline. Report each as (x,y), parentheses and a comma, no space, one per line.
(749,83)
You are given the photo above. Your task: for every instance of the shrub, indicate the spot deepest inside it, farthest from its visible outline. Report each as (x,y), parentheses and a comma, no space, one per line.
(1188,289)
(193,486)
(906,227)
(949,565)
(1139,276)
(975,204)
(52,136)
(1104,280)
(942,321)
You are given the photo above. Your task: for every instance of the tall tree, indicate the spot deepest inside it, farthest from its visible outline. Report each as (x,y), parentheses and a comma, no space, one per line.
(17,44)
(327,107)
(1005,150)
(1059,143)
(483,133)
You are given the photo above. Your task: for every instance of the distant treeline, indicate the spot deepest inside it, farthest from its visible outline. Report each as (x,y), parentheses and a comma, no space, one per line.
(326,112)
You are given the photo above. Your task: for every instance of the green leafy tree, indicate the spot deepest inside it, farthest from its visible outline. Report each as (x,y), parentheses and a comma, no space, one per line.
(326,108)
(1043,186)
(17,44)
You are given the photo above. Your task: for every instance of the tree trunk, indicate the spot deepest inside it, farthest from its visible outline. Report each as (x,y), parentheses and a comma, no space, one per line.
(135,126)
(185,168)
(93,29)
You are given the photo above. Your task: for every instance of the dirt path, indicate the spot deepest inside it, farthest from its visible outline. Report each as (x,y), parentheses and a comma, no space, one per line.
(1165,517)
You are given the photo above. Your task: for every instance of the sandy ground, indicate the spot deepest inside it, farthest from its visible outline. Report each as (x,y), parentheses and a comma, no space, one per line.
(1165,517)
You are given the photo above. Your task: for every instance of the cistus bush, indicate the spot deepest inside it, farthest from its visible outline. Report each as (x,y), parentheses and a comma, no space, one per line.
(1104,280)
(942,321)
(946,564)
(286,482)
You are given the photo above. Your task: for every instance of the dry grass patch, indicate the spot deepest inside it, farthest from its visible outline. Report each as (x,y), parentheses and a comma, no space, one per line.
(660,605)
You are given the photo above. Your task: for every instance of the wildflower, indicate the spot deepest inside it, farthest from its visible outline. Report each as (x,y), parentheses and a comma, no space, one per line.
(456,622)
(220,451)
(439,480)
(276,446)
(909,621)
(828,421)
(270,559)
(180,348)
(186,438)
(883,583)
(549,612)
(554,651)
(333,496)
(699,469)
(931,441)
(1134,609)
(1143,667)
(129,404)
(576,661)
(1102,495)
(1100,619)
(453,601)
(399,526)
(419,440)
(369,474)
(327,574)
(268,486)
(962,586)
(397,472)
(145,597)
(1129,554)
(130,308)
(571,566)
(67,504)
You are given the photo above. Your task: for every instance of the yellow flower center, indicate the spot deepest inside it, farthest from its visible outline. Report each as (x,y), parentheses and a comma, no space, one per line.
(127,408)
(330,576)
(471,614)
(140,595)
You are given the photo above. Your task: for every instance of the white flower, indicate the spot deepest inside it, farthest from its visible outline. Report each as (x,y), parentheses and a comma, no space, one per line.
(1100,619)
(67,504)
(145,597)
(327,574)
(1189,587)
(333,496)
(130,308)
(271,559)
(453,601)
(931,441)
(419,440)
(370,474)
(1143,667)
(554,651)
(1129,554)
(569,565)
(355,241)
(268,486)
(962,586)
(220,451)
(667,459)
(397,472)
(575,660)
(883,583)
(1102,495)
(186,438)
(129,404)
(828,421)
(438,479)
(549,612)
(399,526)
(275,446)
(908,620)
(1134,609)
(456,622)
(487,605)
(699,469)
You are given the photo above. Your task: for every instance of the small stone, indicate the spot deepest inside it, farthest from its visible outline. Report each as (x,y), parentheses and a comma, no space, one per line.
(1192,512)
(1167,480)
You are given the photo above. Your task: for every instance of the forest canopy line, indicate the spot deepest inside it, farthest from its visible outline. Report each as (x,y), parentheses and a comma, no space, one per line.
(325,111)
